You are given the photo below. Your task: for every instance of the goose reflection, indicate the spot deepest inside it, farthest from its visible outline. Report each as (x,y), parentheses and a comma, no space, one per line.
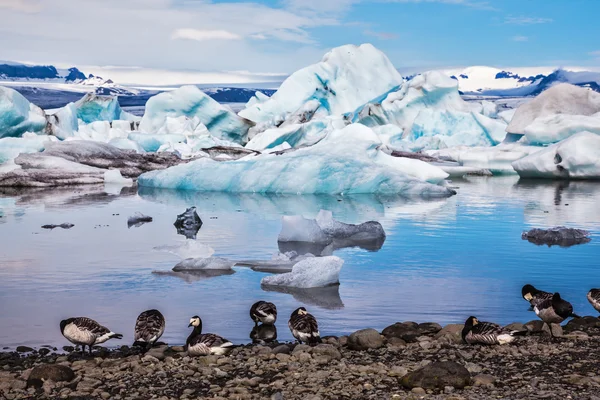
(263,334)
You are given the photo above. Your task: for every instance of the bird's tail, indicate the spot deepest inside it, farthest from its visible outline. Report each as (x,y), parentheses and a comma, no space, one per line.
(314,340)
(518,333)
(116,336)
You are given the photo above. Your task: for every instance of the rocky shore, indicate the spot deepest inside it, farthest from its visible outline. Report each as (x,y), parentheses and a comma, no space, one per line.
(404,361)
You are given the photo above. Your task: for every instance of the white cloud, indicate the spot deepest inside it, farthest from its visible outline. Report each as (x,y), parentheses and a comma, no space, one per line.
(519,38)
(201,34)
(26,6)
(523,20)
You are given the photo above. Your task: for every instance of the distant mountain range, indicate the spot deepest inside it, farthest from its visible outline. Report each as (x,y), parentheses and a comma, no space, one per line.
(488,81)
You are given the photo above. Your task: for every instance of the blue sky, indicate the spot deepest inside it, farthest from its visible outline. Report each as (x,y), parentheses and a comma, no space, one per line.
(260,37)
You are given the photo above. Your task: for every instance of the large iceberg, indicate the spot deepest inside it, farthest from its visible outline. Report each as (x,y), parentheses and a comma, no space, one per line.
(556,114)
(577,157)
(431,114)
(93,107)
(17,115)
(346,161)
(346,77)
(309,273)
(164,111)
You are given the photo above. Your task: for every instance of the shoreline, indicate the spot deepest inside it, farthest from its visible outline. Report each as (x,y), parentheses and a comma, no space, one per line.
(400,362)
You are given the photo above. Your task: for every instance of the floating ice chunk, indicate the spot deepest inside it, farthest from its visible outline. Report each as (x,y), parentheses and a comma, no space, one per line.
(200,264)
(114,176)
(188,223)
(309,273)
(191,102)
(560,235)
(279,262)
(346,77)
(296,228)
(17,115)
(138,219)
(557,113)
(11,147)
(346,161)
(577,157)
(189,249)
(370,230)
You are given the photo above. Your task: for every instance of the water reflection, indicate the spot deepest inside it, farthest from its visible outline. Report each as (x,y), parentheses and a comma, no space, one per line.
(263,334)
(324,297)
(322,249)
(194,276)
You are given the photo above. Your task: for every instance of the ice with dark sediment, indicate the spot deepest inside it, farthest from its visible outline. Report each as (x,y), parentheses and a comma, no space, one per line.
(557,236)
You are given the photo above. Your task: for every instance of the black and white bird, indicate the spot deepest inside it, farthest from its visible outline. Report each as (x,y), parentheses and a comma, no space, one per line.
(304,327)
(86,332)
(204,344)
(149,327)
(534,296)
(554,310)
(593,297)
(263,334)
(263,312)
(476,331)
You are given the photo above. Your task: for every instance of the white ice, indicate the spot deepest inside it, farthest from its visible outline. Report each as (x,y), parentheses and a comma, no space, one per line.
(346,161)
(114,176)
(577,157)
(153,142)
(204,263)
(556,114)
(18,115)
(309,273)
(11,147)
(165,110)
(296,228)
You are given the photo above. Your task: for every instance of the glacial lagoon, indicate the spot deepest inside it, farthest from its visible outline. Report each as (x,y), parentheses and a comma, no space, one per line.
(443,260)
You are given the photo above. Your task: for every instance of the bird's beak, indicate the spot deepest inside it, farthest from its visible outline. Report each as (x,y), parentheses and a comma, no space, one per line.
(190,325)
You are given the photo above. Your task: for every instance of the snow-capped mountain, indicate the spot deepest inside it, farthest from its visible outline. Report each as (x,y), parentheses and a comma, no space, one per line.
(518,81)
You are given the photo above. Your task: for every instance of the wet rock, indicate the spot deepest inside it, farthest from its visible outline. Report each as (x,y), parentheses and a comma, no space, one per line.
(429,328)
(365,339)
(556,329)
(49,372)
(281,349)
(188,223)
(65,225)
(560,235)
(68,349)
(44,351)
(438,375)
(24,349)
(516,326)
(327,350)
(452,332)
(407,331)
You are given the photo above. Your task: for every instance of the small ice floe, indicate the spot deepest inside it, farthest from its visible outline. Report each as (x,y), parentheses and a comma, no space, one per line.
(138,219)
(189,249)
(557,236)
(309,273)
(279,262)
(65,225)
(204,264)
(188,223)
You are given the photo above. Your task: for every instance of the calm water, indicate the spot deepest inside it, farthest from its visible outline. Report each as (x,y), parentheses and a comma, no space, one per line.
(442,260)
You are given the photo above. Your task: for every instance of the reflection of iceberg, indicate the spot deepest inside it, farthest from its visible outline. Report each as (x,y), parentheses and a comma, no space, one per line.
(194,276)
(327,249)
(325,297)
(204,264)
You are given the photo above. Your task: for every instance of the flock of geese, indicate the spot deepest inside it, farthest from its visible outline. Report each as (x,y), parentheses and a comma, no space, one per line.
(150,325)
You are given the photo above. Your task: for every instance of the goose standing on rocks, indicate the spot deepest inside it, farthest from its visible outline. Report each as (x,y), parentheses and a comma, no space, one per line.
(593,297)
(476,331)
(86,332)
(304,327)
(199,344)
(263,312)
(149,327)
(534,296)
(555,310)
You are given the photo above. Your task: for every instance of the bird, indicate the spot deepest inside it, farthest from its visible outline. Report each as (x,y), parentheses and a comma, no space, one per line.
(203,344)
(86,332)
(304,327)
(263,334)
(476,331)
(149,327)
(593,297)
(554,310)
(534,296)
(263,312)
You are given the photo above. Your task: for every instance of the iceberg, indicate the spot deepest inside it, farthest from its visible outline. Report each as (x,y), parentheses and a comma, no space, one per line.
(153,142)
(309,273)
(204,263)
(17,115)
(557,113)
(63,122)
(192,103)
(346,161)
(430,112)
(11,147)
(577,157)
(346,77)
(93,107)
(296,228)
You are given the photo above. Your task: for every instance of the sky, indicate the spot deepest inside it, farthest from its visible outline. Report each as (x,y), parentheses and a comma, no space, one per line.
(267,39)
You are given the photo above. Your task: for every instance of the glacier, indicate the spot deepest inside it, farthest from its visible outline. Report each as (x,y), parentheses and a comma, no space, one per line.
(346,161)
(18,115)
(193,104)
(309,273)
(577,157)
(556,114)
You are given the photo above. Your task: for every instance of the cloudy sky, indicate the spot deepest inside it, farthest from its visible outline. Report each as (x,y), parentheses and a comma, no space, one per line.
(259,39)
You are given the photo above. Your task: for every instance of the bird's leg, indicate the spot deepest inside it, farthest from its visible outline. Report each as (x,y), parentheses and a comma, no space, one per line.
(90,346)
(83,349)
